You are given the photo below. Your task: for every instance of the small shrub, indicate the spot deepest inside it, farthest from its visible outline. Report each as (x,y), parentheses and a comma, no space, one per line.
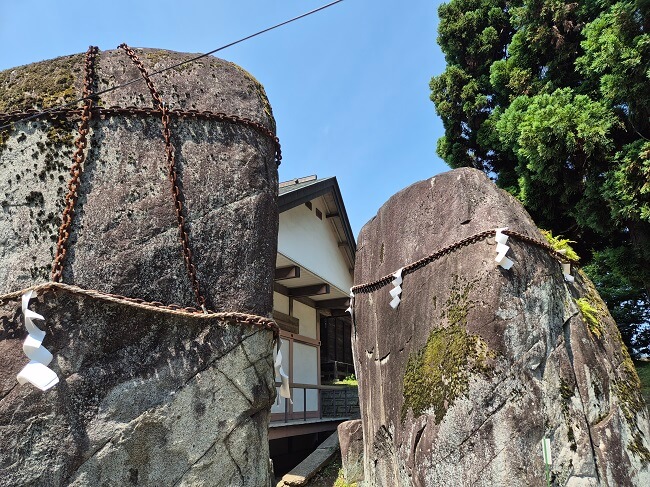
(590,315)
(350,380)
(561,245)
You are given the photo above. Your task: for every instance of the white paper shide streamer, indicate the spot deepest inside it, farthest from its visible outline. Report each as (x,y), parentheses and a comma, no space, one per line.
(502,249)
(397,289)
(285,391)
(566,271)
(36,371)
(351,307)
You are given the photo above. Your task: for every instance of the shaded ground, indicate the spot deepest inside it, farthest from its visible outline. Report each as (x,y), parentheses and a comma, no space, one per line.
(330,475)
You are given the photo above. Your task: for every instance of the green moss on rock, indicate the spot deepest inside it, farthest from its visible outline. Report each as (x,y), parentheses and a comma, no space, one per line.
(155,56)
(571,437)
(439,373)
(4,137)
(60,134)
(566,391)
(40,85)
(628,389)
(458,304)
(627,385)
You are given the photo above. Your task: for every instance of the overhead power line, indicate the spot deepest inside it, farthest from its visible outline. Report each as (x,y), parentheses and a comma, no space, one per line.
(155,73)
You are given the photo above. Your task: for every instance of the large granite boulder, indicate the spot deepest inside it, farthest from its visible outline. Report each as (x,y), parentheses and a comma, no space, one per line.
(124,236)
(461,383)
(351,441)
(146,396)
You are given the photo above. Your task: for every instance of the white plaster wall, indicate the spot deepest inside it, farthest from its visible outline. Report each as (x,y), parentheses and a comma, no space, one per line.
(281,303)
(307,316)
(312,244)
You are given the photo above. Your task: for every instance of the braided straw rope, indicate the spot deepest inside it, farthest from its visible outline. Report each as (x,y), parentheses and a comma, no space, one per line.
(241,318)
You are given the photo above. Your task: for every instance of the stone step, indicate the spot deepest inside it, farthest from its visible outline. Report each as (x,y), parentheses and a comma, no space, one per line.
(313,464)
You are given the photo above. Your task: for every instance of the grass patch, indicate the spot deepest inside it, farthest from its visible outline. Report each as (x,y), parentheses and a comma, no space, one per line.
(331,475)
(350,380)
(340,481)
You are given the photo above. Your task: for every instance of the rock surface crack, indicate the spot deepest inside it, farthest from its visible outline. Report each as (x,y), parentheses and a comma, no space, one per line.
(8,392)
(567,344)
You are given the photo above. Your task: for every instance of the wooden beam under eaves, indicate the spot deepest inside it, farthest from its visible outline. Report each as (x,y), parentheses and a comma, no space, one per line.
(289,272)
(315,290)
(338,303)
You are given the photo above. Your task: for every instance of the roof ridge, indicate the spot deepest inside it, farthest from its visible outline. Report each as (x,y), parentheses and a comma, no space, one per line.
(303,179)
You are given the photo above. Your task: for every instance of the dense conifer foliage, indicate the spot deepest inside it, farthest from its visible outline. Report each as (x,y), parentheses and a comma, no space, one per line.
(552,99)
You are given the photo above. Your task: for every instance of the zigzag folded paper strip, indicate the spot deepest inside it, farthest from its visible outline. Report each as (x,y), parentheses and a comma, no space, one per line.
(38,375)
(36,371)
(502,249)
(397,289)
(351,307)
(35,351)
(285,391)
(30,315)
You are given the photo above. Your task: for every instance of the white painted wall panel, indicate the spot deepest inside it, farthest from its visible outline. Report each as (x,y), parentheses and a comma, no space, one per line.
(311,243)
(305,371)
(281,303)
(307,316)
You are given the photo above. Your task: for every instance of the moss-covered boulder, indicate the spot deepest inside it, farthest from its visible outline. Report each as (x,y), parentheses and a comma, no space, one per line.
(477,365)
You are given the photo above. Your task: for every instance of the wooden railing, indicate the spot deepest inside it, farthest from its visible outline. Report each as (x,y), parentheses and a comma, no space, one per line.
(319,388)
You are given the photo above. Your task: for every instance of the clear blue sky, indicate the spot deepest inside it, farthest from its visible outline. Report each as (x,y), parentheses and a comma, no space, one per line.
(348,85)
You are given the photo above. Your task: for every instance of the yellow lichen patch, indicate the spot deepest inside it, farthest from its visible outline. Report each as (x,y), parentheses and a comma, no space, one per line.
(156,56)
(561,245)
(637,447)
(628,389)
